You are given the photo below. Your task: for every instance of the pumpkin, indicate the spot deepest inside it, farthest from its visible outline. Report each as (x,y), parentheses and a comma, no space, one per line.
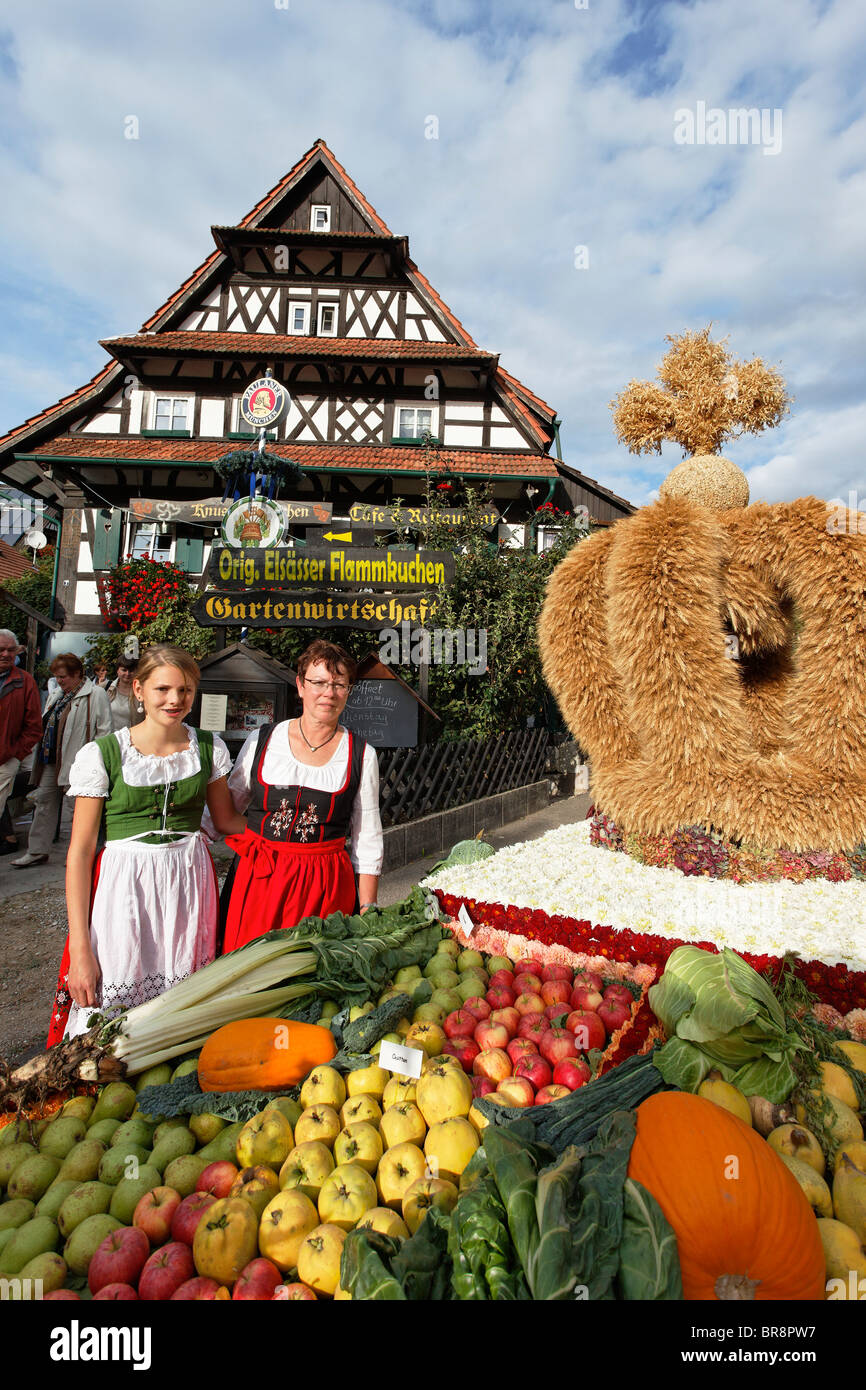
(743,1226)
(263,1054)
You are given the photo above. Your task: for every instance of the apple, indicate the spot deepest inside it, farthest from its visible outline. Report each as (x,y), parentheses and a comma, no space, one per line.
(621,993)
(572,1072)
(62,1296)
(155,1212)
(118,1293)
(549,1093)
(290,1292)
(464,1049)
(585,997)
(517,1090)
(500,997)
(613,1014)
(165,1271)
(119,1259)
(189,1214)
(257,1281)
(460,1024)
(527,983)
(507,1016)
(556,972)
(590,978)
(555,992)
(557,1011)
(200,1289)
(489,1034)
(530,966)
(556,1045)
(482,1086)
(533,1026)
(588,1029)
(535,1069)
(478,1007)
(492,1062)
(520,1047)
(217,1178)
(529,1004)
(501,977)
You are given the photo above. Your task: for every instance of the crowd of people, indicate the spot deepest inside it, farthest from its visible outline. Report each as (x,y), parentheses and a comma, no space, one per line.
(148,792)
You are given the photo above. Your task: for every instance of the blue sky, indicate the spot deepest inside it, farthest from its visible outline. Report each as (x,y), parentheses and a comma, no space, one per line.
(555,130)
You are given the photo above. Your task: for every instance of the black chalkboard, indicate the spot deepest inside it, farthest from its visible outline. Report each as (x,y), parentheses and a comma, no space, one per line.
(383,712)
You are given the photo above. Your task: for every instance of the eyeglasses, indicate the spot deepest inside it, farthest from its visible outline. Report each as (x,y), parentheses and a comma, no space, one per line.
(339,686)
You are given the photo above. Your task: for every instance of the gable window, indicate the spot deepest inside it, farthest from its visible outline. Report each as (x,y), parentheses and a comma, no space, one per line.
(327,320)
(320,217)
(299,318)
(172,413)
(413,422)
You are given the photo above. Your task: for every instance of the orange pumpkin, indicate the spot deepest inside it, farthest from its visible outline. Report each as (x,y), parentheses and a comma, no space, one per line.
(263,1054)
(743,1226)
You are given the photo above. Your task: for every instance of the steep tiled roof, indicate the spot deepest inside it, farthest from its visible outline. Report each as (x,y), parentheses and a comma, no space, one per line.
(391,458)
(288,345)
(12,563)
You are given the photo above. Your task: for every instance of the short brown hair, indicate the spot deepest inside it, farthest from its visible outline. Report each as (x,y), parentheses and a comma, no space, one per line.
(331,655)
(164,654)
(69,662)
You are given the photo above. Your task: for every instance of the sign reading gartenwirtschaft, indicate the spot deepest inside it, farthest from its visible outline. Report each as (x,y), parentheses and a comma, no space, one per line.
(275,608)
(336,566)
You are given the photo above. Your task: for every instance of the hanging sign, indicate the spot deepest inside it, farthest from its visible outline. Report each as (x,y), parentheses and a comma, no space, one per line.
(211,510)
(257,521)
(373,568)
(264,403)
(417,517)
(293,608)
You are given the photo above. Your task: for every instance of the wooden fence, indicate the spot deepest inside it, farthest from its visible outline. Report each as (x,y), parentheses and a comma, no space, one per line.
(416,782)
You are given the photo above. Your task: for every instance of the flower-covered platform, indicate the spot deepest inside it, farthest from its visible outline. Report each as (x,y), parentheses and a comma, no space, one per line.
(562,889)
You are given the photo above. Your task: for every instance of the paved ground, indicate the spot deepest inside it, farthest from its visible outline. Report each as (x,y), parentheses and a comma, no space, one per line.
(33,923)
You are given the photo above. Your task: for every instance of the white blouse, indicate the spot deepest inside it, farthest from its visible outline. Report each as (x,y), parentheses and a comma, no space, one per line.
(282,769)
(90,778)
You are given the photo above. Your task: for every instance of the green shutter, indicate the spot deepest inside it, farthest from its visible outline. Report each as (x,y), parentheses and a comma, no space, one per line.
(189,554)
(106,539)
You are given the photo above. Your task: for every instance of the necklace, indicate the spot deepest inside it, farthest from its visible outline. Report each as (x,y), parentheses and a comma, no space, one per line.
(314,748)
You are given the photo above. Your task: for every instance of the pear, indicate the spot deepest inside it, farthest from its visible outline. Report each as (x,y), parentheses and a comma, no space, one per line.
(448,947)
(33,1177)
(815,1188)
(5,1237)
(88,1199)
(15,1213)
(50,1204)
(49,1270)
(116,1101)
(842,1250)
(166,1126)
(11,1157)
(173,1145)
(80,1106)
(798,1142)
(86,1240)
(34,1238)
(225,1145)
(82,1162)
(849,1195)
(187,1068)
(447,999)
(496,963)
(104,1130)
(22,1132)
(183,1173)
(855,1052)
(62,1135)
(835,1081)
(122,1161)
(129,1192)
(135,1131)
(204,1127)
(467,959)
(159,1075)
(723,1094)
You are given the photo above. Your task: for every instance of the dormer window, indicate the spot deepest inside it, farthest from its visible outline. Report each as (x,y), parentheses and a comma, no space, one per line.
(327,320)
(320,217)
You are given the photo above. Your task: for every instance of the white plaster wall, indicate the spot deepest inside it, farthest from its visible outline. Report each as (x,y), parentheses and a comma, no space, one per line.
(211,418)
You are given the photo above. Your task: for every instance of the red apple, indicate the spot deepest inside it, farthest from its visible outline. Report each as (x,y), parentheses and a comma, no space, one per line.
(588,1029)
(499,997)
(492,1062)
(526,983)
(482,1086)
(119,1259)
(517,1090)
(614,1014)
(478,1007)
(534,1027)
(520,1047)
(293,1292)
(501,977)
(460,1024)
(189,1214)
(555,992)
(556,972)
(535,1069)
(217,1178)
(557,1013)
(257,1281)
(117,1293)
(165,1271)
(572,1072)
(529,1004)
(489,1034)
(464,1049)
(621,993)
(62,1296)
(200,1289)
(556,1045)
(549,1093)
(509,1017)
(531,966)
(588,978)
(584,997)
(155,1212)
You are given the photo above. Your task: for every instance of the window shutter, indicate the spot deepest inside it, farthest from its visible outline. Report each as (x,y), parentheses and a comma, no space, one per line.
(106,538)
(189,554)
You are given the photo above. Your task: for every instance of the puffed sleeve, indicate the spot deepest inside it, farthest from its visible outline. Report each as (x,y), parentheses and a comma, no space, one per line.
(365,845)
(222,760)
(88,776)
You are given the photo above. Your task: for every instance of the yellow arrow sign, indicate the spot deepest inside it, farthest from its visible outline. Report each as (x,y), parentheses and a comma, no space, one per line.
(338,536)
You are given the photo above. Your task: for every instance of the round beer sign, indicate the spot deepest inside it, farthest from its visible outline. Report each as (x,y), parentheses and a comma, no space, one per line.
(264,403)
(256,522)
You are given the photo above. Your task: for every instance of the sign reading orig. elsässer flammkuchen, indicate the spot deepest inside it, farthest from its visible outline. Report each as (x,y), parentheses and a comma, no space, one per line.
(349,566)
(291,608)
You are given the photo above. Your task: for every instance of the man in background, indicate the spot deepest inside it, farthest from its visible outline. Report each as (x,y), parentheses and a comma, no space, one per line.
(20,722)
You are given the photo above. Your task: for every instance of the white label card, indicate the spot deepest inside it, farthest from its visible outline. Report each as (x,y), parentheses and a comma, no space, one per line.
(405,1060)
(465,920)
(213,713)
